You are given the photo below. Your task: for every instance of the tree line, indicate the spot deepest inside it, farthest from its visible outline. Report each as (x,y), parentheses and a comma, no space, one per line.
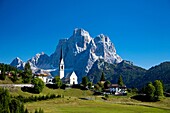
(12,105)
(36,98)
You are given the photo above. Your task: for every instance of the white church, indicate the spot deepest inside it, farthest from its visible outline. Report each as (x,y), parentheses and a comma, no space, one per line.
(67,78)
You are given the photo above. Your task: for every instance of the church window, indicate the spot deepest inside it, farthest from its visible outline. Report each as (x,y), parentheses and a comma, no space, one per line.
(62,67)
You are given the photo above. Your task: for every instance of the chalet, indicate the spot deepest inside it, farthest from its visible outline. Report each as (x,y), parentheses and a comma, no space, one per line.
(115,89)
(118,90)
(43,77)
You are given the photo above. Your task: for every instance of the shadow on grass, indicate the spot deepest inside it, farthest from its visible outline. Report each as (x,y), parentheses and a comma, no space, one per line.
(144,98)
(28,89)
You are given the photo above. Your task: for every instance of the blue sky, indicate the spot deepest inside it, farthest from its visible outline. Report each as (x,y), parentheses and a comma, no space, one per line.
(139,29)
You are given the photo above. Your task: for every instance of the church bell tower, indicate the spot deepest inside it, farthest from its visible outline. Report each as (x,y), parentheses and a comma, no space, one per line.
(61,66)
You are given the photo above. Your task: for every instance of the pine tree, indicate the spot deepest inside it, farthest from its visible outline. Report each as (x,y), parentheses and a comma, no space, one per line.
(4,101)
(120,81)
(22,108)
(27,74)
(84,81)
(106,84)
(90,85)
(15,78)
(102,77)
(14,106)
(3,76)
(26,111)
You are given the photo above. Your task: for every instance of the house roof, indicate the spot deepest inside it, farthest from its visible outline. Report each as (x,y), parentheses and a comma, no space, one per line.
(116,85)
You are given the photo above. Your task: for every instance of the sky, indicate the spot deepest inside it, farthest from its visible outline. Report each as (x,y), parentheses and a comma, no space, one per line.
(139,29)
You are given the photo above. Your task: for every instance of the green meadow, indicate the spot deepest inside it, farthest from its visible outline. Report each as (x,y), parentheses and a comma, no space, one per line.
(74,105)
(81,101)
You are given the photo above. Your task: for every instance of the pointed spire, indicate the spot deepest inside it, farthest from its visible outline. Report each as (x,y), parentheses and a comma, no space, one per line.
(61,54)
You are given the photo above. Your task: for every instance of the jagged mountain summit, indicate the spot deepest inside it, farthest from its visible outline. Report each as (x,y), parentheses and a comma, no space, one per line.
(80,51)
(18,63)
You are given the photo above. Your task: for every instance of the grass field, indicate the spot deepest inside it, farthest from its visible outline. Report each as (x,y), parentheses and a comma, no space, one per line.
(73,102)
(68,92)
(74,105)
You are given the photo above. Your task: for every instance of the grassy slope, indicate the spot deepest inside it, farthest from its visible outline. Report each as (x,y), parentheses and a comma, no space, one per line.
(72,104)
(68,92)
(8,81)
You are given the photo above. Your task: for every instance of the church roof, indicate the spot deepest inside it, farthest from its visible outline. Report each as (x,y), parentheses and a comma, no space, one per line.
(68,75)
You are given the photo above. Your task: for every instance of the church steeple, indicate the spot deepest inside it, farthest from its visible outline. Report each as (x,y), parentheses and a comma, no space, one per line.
(61,65)
(61,55)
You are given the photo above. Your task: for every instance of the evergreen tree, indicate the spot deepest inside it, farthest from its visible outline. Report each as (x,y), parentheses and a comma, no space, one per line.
(102,77)
(3,76)
(120,81)
(57,81)
(89,85)
(27,74)
(39,111)
(106,84)
(22,108)
(15,106)
(14,76)
(84,81)
(158,88)
(26,111)
(4,101)
(36,111)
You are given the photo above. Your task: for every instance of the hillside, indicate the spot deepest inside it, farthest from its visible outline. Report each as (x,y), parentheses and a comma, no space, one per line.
(131,74)
(161,72)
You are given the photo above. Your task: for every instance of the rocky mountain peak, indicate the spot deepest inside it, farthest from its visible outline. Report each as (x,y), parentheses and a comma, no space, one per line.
(17,62)
(80,32)
(80,51)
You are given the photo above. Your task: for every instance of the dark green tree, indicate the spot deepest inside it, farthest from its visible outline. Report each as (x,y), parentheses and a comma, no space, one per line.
(26,111)
(97,87)
(39,111)
(14,76)
(90,85)
(158,88)
(36,111)
(38,85)
(57,81)
(27,74)
(84,81)
(4,100)
(22,108)
(3,76)
(106,84)
(15,106)
(102,77)
(150,90)
(101,85)
(120,81)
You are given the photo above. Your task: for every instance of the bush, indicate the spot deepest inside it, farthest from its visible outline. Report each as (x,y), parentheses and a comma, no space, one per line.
(38,85)
(36,98)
